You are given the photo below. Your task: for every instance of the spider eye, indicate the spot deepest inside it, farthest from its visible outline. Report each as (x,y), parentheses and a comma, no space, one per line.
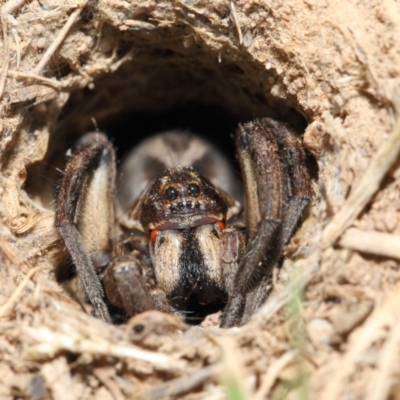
(171,193)
(193,190)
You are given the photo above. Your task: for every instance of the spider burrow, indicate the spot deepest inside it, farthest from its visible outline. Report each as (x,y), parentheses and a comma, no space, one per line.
(178,231)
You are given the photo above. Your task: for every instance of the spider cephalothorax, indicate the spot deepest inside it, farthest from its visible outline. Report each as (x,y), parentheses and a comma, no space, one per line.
(181,231)
(181,198)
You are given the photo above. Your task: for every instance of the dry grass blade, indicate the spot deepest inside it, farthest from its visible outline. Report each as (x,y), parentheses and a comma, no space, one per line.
(359,198)
(236,21)
(59,39)
(46,81)
(51,342)
(372,242)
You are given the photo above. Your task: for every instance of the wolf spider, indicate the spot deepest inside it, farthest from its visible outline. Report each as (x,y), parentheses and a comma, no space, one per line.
(181,233)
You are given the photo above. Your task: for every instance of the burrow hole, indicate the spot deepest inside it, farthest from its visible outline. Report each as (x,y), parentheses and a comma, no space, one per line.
(162,89)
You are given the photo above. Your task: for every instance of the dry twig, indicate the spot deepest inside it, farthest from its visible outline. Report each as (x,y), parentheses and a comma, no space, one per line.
(51,342)
(371,242)
(46,81)
(59,39)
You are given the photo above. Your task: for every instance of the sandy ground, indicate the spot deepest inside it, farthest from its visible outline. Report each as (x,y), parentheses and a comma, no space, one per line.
(331,328)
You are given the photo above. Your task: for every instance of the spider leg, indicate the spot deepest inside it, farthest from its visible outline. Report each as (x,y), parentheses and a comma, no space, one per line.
(265,151)
(232,250)
(126,287)
(258,156)
(296,197)
(297,177)
(84,213)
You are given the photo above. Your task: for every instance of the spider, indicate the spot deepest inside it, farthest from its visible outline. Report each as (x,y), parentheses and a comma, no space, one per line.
(179,231)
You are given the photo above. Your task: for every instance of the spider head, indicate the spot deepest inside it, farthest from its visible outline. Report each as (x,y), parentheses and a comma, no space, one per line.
(181,198)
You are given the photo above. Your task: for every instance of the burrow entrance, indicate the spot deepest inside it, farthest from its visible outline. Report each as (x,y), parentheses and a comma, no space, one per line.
(165,85)
(160,88)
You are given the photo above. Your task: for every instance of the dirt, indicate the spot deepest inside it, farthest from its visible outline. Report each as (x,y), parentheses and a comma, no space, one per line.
(331,327)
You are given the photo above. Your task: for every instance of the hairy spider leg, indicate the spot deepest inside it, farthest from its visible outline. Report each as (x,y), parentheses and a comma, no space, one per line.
(84,213)
(272,161)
